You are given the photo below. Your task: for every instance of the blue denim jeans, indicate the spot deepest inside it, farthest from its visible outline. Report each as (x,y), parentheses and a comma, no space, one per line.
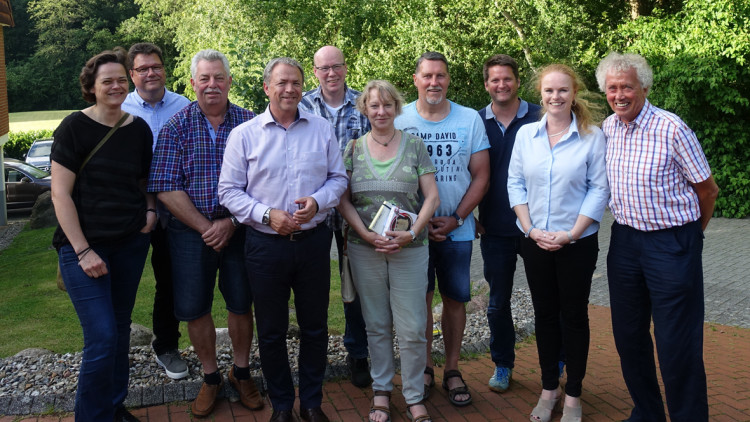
(450,262)
(499,254)
(194,267)
(104,306)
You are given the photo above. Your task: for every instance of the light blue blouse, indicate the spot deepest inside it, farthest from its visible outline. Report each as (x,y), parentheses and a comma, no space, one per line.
(562,182)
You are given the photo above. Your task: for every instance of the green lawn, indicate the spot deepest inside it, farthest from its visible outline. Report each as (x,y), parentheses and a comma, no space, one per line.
(34,313)
(36,120)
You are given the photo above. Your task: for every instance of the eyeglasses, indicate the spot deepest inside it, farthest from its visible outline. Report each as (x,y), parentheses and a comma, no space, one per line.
(143,71)
(335,67)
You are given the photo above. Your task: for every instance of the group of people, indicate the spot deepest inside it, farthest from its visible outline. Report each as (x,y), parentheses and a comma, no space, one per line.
(257,199)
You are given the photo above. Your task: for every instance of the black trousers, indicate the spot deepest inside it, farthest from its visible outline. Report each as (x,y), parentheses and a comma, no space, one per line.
(560,283)
(276,266)
(659,275)
(166,326)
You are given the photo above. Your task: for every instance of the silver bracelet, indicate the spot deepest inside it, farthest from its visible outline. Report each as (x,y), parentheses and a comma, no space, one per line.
(528,233)
(413,235)
(570,238)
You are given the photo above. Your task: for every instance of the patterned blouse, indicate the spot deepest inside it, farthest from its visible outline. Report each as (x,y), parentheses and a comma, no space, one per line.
(399,185)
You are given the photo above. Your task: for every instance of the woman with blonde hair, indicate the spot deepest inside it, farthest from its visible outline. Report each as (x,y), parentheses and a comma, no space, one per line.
(390,271)
(557,186)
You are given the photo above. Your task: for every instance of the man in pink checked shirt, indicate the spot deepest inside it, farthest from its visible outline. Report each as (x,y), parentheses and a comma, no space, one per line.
(662,197)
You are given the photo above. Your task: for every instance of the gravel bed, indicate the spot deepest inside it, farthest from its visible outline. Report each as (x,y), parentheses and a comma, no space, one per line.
(47,374)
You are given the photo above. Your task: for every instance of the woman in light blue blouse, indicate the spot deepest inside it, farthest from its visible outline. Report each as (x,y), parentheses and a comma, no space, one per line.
(557,186)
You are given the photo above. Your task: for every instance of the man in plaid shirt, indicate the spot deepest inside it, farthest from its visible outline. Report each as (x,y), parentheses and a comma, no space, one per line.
(662,197)
(204,238)
(336,102)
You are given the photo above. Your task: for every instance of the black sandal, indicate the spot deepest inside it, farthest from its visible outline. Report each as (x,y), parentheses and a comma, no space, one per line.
(374,408)
(452,393)
(423,418)
(431,372)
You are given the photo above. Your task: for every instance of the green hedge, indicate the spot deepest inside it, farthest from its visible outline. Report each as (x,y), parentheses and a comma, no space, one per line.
(20,142)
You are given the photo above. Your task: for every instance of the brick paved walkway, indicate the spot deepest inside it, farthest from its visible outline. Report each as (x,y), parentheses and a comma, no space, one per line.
(605,398)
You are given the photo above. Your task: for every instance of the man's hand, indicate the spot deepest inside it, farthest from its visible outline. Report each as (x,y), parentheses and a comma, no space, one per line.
(307,212)
(218,235)
(439,227)
(282,222)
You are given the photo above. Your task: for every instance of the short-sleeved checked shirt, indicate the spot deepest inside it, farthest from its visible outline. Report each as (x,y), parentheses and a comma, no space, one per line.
(188,159)
(651,163)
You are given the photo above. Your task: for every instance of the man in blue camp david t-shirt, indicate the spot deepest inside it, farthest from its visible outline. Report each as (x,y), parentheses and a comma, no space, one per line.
(457,143)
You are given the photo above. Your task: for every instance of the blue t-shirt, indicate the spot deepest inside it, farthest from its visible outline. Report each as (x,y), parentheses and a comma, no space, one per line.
(450,143)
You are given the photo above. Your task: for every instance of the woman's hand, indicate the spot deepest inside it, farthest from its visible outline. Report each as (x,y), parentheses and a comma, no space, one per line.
(151,220)
(92,265)
(550,241)
(401,238)
(381,243)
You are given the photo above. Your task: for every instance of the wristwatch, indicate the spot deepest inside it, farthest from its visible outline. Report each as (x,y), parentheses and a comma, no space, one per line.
(267,216)
(458,219)
(235,222)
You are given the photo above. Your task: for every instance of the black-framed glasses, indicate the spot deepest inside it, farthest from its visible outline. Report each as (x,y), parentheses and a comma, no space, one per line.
(143,71)
(336,67)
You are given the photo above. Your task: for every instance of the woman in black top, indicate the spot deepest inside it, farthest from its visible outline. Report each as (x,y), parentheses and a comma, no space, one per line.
(105,219)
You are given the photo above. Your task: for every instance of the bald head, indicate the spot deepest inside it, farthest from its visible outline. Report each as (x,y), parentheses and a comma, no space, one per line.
(330,69)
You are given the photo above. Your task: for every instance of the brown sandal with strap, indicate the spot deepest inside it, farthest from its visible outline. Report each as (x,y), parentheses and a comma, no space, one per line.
(383,409)
(453,392)
(422,418)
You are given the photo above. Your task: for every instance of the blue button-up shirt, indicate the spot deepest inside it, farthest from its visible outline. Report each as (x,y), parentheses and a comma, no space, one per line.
(156,116)
(562,182)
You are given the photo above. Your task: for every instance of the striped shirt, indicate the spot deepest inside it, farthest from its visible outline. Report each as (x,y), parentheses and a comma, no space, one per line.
(651,163)
(189,154)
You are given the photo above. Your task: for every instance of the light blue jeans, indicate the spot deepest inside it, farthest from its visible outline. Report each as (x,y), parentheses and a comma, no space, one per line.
(392,289)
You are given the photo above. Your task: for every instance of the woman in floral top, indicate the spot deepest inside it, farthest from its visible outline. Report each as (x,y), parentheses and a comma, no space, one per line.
(390,272)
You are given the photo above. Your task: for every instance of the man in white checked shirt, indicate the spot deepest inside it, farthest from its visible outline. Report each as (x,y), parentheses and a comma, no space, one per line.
(663,196)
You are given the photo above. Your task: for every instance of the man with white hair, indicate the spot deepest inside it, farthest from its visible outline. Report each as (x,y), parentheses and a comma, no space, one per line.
(203,236)
(662,198)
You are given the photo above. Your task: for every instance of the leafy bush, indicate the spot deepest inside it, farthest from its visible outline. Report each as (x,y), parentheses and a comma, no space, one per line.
(700,61)
(20,142)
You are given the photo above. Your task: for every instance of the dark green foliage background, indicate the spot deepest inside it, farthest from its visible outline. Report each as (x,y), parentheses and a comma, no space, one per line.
(699,50)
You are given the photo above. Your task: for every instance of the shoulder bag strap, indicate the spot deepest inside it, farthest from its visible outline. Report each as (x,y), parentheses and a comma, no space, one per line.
(101,143)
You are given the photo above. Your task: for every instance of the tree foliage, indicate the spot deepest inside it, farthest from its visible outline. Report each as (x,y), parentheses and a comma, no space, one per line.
(700,58)
(698,49)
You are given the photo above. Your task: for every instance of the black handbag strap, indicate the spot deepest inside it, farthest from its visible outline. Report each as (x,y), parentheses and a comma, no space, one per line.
(101,143)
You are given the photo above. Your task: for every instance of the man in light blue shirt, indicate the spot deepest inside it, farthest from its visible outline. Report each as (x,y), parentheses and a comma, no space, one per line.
(457,143)
(151,101)
(336,102)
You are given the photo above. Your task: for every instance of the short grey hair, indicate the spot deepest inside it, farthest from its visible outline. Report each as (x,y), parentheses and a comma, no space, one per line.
(622,63)
(208,55)
(431,55)
(281,60)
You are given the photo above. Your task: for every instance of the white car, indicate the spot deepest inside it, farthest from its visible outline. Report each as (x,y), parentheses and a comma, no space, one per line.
(38,154)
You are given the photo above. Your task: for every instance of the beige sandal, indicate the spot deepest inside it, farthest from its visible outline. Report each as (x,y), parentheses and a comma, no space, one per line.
(383,409)
(572,414)
(544,408)
(422,418)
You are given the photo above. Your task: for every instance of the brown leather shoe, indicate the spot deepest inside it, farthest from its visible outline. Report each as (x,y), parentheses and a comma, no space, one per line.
(204,404)
(313,415)
(249,394)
